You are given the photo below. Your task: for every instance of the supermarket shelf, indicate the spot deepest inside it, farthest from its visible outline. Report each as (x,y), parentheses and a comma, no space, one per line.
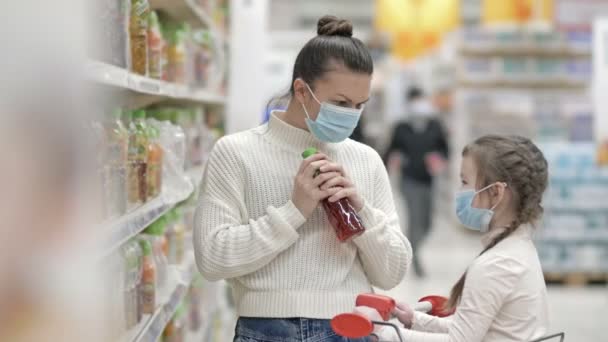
(154,327)
(523,84)
(575,240)
(124,228)
(110,75)
(470,51)
(188,11)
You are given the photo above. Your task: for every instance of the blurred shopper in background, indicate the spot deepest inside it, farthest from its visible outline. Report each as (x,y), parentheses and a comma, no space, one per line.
(422,145)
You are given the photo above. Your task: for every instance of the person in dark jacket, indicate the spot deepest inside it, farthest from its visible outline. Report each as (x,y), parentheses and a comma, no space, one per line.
(421,142)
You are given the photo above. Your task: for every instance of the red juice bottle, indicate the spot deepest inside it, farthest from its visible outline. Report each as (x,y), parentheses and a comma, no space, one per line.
(342,215)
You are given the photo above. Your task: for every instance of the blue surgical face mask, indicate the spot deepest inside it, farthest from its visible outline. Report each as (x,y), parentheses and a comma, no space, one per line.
(477,219)
(334,123)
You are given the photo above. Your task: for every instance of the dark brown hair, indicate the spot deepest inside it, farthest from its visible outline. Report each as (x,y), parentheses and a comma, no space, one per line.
(516,161)
(334,43)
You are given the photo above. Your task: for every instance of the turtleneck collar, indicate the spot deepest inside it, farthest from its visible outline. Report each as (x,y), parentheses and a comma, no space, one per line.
(295,138)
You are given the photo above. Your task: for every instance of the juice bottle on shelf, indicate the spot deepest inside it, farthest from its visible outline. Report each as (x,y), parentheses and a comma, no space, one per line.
(155,234)
(115,168)
(148,279)
(190,46)
(176,55)
(177,332)
(342,215)
(171,239)
(131,270)
(196,296)
(175,237)
(155,47)
(138,33)
(140,272)
(137,159)
(155,163)
(180,234)
(198,118)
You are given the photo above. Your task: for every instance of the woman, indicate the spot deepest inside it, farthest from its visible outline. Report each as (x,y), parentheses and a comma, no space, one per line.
(502,296)
(259,224)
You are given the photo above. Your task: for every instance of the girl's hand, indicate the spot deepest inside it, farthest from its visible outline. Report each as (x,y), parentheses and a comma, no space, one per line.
(405,314)
(341,184)
(307,193)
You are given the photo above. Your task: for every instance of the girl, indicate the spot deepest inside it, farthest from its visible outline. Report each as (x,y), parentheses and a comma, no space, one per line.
(502,296)
(259,224)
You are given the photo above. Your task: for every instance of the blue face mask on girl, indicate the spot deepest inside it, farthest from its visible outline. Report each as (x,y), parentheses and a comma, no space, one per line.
(477,219)
(334,123)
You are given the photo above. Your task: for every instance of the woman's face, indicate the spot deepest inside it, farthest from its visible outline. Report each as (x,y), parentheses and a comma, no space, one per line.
(339,87)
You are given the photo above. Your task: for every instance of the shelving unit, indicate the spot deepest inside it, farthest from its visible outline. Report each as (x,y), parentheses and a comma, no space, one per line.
(131,91)
(119,78)
(124,228)
(152,326)
(510,83)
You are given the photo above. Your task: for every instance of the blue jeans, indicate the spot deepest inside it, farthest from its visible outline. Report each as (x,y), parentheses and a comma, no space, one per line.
(287,330)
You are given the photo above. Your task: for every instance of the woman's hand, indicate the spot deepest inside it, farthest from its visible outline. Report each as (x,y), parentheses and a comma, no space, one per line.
(405,314)
(306,190)
(343,184)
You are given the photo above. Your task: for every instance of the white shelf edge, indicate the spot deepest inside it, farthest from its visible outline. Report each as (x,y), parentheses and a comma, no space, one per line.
(123,228)
(111,75)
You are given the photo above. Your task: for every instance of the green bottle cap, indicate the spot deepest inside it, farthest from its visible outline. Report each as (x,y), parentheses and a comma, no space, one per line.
(157,228)
(139,114)
(146,247)
(309,152)
(153,20)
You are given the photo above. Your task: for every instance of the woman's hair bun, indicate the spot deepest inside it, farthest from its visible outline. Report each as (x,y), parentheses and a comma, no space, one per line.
(330,25)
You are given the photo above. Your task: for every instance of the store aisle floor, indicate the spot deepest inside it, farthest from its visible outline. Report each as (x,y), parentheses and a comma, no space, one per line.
(579,312)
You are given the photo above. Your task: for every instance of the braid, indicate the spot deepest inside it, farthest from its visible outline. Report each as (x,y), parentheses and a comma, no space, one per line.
(521,164)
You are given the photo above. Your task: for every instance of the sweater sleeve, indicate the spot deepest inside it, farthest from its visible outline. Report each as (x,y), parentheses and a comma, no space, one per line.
(226,245)
(424,322)
(384,251)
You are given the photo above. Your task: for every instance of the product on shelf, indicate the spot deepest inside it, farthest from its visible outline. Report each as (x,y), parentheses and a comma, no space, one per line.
(175,331)
(196,295)
(133,271)
(154,170)
(342,216)
(138,33)
(202,57)
(137,159)
(189,64)
(176,56)
(147,289)
(114,155)
(155,47)
(175,237)
(155,234)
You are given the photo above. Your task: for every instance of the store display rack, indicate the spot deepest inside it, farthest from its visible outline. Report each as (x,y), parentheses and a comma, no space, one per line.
(110,75)
(151,327)
(128,226)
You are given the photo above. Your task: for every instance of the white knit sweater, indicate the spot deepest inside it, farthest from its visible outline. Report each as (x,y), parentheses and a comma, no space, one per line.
(279,264)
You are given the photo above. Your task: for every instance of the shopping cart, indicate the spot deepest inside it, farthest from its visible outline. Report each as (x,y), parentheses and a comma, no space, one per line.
(354,325)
